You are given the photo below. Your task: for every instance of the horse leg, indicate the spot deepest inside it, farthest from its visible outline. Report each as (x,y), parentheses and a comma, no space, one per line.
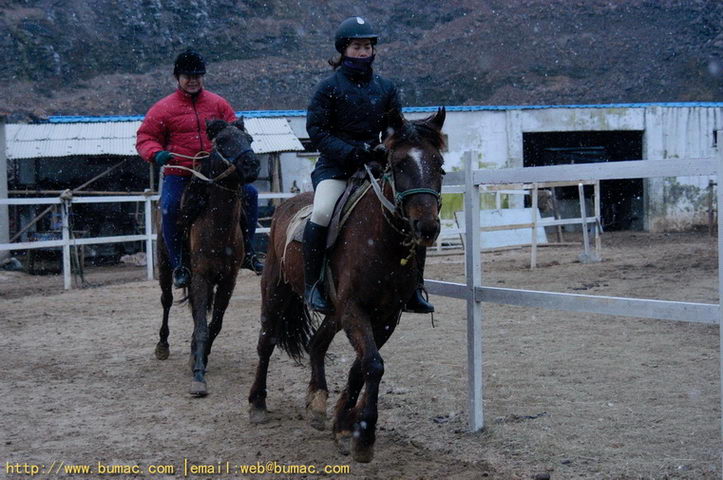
(164,274)
(220,304)
(258,412)
(356,423)
(366,410)
(199,299)
(272,311)
(344,416)
(318,392)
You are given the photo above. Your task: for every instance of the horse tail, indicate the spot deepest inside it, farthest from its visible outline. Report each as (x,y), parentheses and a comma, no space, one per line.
(210,298)
(282,308)
(295,328)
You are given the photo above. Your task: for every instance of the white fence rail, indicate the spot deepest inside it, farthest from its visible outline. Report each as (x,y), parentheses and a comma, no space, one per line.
(475,293)
(66,242)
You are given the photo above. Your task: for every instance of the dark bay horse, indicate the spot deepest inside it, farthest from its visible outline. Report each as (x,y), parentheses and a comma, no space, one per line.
(210,213)
(372,279)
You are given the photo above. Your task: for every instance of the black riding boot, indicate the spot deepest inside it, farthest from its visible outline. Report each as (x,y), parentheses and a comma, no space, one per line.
(181,277)
(314,249)
(418,303)
(251,261)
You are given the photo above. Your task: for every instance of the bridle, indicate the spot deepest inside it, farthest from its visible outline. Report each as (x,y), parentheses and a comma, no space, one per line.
(396,216)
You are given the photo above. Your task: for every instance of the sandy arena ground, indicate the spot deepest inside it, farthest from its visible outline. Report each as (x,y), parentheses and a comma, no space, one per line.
(569,396)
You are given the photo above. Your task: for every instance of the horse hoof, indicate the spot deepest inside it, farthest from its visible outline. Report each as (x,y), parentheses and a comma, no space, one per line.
(162,351)
(317,419)
(198,389)
(258,415)
(316,409)
(362,454)
(343,442)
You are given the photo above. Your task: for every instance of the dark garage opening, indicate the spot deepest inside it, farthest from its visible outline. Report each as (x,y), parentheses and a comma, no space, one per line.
(621,201)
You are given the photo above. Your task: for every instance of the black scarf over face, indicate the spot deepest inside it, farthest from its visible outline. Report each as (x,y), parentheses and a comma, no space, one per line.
(358,67)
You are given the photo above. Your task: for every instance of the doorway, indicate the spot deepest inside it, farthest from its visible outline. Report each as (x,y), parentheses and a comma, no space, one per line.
(621,201)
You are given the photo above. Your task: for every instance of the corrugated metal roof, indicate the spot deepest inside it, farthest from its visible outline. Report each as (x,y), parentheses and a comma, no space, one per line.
(46,140)
(249,114)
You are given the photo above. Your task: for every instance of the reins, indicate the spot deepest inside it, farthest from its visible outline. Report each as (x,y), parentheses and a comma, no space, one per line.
(201,156)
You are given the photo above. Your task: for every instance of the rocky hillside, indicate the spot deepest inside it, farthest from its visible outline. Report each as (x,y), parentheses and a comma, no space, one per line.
(114,58)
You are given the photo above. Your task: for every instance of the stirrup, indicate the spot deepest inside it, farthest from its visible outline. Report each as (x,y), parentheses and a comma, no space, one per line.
(251,262)
(316,300)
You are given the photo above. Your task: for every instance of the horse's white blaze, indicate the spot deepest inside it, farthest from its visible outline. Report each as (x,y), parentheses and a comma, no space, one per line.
(416,155)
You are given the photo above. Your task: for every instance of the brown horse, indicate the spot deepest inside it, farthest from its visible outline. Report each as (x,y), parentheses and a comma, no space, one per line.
(210,213)
(372,279)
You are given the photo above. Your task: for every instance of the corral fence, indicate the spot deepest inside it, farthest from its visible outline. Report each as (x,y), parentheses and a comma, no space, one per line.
(67,241)
(475,293)
(470,182)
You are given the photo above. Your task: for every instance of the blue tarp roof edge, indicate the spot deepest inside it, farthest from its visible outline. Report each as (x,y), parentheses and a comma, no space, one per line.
(458,108)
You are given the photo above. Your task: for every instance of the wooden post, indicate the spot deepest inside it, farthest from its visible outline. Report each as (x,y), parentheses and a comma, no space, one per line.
(711,218)
(275,175)
(65,214)
(475,378)
(585,257)
(598,221)
(556,213)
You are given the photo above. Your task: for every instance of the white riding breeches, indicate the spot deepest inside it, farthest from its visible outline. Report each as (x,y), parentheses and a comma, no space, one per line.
(325,197)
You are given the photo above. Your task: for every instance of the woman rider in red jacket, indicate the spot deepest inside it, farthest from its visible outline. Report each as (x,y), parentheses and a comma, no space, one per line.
(176,124)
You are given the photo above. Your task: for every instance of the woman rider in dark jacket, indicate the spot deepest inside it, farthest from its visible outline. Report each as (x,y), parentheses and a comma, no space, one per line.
(346,118)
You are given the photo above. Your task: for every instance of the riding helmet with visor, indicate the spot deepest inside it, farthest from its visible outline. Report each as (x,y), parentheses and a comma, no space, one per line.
(351,28)
(189,62)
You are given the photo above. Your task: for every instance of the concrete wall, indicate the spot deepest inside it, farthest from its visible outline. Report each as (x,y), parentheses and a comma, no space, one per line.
(672,132)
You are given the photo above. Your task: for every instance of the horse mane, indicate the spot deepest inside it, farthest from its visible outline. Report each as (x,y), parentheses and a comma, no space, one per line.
(414,131)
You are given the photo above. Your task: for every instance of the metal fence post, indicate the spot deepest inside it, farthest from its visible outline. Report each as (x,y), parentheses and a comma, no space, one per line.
(65,213)
(474,306)
(149,238)
(719,189)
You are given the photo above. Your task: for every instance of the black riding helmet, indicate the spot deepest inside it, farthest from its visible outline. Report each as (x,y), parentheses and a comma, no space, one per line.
(189,62)
(351,28)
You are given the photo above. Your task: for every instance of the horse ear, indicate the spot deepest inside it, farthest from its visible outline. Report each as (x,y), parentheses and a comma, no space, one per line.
(437,120)
(213,127)
(240,124)
(395,119)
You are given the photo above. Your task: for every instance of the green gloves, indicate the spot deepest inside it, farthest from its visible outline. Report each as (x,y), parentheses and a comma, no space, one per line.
(162,157)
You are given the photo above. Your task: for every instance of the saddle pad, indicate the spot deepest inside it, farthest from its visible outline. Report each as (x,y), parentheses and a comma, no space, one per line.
(347,202)
(295,230)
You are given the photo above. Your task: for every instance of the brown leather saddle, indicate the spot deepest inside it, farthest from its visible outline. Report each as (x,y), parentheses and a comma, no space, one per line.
(356,187)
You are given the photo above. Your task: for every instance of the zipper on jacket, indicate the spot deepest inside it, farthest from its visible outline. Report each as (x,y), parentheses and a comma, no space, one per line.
(198,124)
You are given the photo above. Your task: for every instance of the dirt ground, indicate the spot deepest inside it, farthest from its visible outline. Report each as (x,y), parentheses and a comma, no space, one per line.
(571,396)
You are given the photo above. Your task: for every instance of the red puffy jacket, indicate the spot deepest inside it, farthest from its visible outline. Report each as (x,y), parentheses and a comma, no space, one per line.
(177,123)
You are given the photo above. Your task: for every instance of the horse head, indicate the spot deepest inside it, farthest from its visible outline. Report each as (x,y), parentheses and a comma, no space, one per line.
(232,146)
(415,163)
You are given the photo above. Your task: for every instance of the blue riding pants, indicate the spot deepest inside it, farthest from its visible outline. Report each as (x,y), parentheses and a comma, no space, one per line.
(251,205)
(173,186)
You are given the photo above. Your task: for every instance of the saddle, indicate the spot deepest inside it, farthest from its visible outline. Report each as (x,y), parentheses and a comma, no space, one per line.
(356,187)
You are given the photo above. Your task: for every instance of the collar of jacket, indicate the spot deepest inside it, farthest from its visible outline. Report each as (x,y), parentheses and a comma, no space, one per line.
(355,75)
(189,97)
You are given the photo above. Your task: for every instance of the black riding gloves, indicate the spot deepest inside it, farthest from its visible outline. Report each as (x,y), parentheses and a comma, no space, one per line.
(162,157)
